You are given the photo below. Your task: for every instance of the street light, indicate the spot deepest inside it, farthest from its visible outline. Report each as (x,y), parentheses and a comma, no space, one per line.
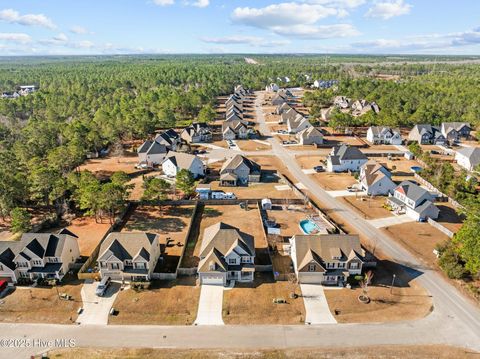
(393,282)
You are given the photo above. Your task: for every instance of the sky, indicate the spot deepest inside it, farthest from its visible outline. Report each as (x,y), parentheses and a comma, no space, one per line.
(74,27)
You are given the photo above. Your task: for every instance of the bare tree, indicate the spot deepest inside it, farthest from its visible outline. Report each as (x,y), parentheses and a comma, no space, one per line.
(117,150)
(293,280)
(364,283)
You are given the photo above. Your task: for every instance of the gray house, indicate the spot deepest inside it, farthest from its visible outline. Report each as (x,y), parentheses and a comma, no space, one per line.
(239,170)
(414,201)
(196,133)
(427,135)
(453,131)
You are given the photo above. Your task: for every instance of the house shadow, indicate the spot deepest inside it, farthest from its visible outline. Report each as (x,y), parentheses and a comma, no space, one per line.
(404,274)
(449,215)
(190,281)
(177,211)
(163,225)
(270,176)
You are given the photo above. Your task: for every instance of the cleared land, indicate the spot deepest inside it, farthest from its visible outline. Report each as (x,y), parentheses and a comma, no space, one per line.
(370,208)
(170,222)
(89,233)
(252,303)
(334,181)
(41,304)
(406,301)
(251,145)
(165,303)
(256,190)
(386,351)
(105,167)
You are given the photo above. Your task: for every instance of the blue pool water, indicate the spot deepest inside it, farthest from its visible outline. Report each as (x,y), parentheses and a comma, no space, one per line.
(415,168)
(308,226)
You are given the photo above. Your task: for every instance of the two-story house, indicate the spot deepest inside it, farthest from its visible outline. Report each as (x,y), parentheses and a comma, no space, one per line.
(44,255)
(384,135)
(169,138)
(129,256)
(197,133)
(345,158)
(376,179)
(226,254)
(233,129)
(326,258)
(413,200)
(453,131)
(468,157)
(427,135)
(176,161)
(151,153)
(238,171)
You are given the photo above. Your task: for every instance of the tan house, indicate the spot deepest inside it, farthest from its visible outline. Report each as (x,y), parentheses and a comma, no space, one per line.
(309,136)
(238,171)
(326,258)
(226,254)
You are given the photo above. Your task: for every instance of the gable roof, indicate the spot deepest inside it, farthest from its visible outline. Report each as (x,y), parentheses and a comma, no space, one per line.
(345,153)
(180,159)
(224,237)
(309,132)
(127,245)
(472,153)
(412,191)
(374,172)
(234,162)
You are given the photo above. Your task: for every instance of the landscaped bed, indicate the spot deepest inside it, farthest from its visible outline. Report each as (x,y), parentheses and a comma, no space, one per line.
(252,303)
(165,303)
(406,301)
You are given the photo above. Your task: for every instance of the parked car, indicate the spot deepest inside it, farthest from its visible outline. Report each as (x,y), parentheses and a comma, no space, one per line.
(142,166)
(353,189)
(3,285)
(103,286)
(202,152)
(319,169)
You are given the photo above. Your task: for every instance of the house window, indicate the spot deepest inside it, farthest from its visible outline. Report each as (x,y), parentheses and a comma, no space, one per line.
(311,268)
(245,259)
(115,266)
(128,263)
(24,274)
(37,263)
(354,265)
(103,265)
(1,267)
(232,261)
(330,265)
(140,265)
(341,265)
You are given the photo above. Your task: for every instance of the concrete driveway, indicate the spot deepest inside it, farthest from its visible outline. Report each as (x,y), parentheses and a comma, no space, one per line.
(316,306)
(210,305)
(390,221)
(346,193)
(97,309)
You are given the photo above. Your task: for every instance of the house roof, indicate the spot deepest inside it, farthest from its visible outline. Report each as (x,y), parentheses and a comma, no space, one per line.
(224,238)
(180,159)
(309,132)
(411,190)
(144,147)
(234,162)
(324,247)
(472,153)
(127,245)
(297,121)
(345,152)
(383,130)
(457,126)
(156,148)
(213,262)
(373,172)
(8,251)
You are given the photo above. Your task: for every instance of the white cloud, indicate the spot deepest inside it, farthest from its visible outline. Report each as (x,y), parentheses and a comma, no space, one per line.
(14,17)
(164,2)
(389,9)
(319,32)
(79,30)
(339,3)
(245,40)
(15,37)
(200,3)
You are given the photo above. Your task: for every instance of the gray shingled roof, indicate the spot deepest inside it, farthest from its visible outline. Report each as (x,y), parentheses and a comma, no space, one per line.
(127,245)
(345,152)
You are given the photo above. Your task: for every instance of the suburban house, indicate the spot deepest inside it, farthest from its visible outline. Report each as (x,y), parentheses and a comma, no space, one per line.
(324,84)
(176,161)
(272,87)
(384,135)
(203,190)
(288,114)
(278,99)
(232,129)
(196,133)
(414,201)
(239,170)
(341,102)
(453,131)
(297,124)
(376,179)
(233,116)
(361,107)
(151,153)
(345,158)
(39,255)
(129,256)
(309,136)
(286,93)
(235,103)
(281,109)
(327,259)
(169,139)
(427,135)
(468,157)
(226,254)
(10,95)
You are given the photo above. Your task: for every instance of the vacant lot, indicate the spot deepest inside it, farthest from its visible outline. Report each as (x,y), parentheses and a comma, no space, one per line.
(449,217)
(41,305)
(251,145)
(418,238)
(369,207)
(406,301)
(387,351)
(165,303)
(89,233)
(105,167)
(348,140)
(170,222)
(334,181)
(307,162)
(257,190)
(253,303)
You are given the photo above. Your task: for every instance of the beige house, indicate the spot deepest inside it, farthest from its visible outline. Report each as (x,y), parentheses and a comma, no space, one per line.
(176,161)
(130,256)
(326,258)
(238,171)
(226,254)
(309,136)
(376,179)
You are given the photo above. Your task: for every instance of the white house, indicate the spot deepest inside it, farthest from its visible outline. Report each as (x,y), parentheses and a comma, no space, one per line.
(272,87)
(345,158)
(151,153)
(414,201)
(384,135)
(226,254)
(129,256)
(376,179)
(297,124)
(233,129)
(176,161)
(468,157)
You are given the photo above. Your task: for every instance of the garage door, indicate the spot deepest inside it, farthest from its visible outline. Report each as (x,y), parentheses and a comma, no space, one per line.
(212,279)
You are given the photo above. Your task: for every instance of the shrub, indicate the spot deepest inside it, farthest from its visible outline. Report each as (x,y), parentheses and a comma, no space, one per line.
(451,264)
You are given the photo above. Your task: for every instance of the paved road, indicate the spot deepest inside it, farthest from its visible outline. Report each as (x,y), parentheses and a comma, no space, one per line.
(453,312)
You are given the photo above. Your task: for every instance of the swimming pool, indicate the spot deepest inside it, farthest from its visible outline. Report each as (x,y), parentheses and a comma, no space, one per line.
(308,226)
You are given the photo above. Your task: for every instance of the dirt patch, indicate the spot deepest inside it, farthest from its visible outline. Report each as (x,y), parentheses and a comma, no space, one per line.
(405,301)
(308,162)
(89,233)
(449,217)
(253,303)
(386,351)
(369,207)
(256,190)
(334,181)
(42,305)
(105,167)
(165,303)
(250,145)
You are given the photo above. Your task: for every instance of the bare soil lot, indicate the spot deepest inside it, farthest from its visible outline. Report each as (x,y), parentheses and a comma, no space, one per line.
(348,140)
(253,303)
(307,162)
(386,351)
(42,304)
(369,207)
(289,220)
(165,303)
(449,217)
(334,181)
(251,145)
(89,233)
(406,301)
(418,238)
(105,167)
(170,222)
(256,190)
